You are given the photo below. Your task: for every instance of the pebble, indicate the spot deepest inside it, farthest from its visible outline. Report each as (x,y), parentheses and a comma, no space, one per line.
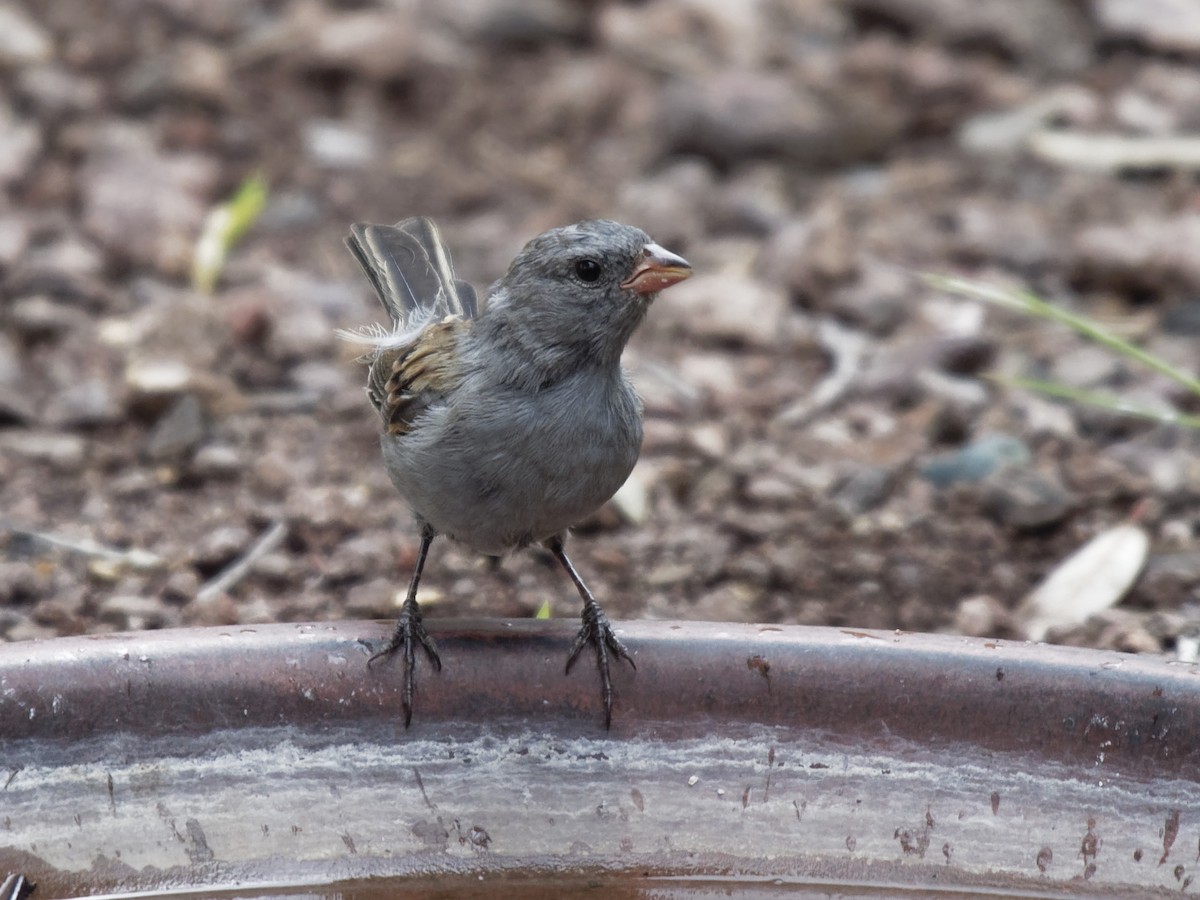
(1051,34)
(20,145)
(1027,499)
(40,317)
(980,616)
(1145,251)
(378,44)
(965,354)
(1183,320)
(370,599)
(23,42)
(87,403)
(864,490)
(178,431)
(728,115)
(337,145)
(1172,26)
(221,546)
(53,91)
(218,461)
(132,612)
(14,238)
(154,381)
(976,461)
(727,308)
(62,450)
(670,204)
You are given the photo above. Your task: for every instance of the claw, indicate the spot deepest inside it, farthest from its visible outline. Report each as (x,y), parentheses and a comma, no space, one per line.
(597,631)
(409,631)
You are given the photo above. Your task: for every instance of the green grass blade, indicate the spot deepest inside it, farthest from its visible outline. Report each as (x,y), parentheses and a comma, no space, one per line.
(1023,301)
(1102,401)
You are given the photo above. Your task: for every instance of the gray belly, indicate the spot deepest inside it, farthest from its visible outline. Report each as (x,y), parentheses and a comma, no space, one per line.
(506,474)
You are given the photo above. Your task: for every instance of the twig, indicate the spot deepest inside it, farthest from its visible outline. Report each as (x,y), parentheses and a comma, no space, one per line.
(240,567)
(847,349)
(142,560)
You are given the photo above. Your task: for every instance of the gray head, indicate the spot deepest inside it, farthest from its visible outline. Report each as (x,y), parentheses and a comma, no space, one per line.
(583,289)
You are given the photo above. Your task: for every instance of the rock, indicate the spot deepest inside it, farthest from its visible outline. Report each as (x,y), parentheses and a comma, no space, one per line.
(178,431)
(132,613)
(670,204)
(11,369)
(301,334)
(1048,33)
(1183,320)
(528,23)
(200,72)
(23,42)
(965,354)
(290,210)
(323,380)
(1149,252)
(20,145)
(730,115)
(14,238)
(15,406)
(220,547)
(1087,365)
(1027,499)
(370,599)
(337,145)
(360,556)
(40,318)
(374,43)
(980,616)
(144,205)
(1168,25)
(86,403)
(67,269)
(53,91)
(975,462)
(864,490)
(724,307)
(716,374)
(217,461)
(754,201)
(878,300)
(64,451)
(154,382)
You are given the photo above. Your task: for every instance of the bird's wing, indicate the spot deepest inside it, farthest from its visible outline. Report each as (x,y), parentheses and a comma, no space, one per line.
(404,381)
(410,268)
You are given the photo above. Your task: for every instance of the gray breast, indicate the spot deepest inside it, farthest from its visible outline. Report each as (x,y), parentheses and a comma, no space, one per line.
(502,469)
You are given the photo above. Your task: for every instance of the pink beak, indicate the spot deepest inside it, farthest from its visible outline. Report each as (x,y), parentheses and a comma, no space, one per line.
(657,269)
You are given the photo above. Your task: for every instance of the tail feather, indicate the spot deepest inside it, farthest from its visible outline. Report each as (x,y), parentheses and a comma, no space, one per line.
(411,271)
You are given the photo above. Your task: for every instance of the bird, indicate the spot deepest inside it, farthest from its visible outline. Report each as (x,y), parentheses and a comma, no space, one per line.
(506,422)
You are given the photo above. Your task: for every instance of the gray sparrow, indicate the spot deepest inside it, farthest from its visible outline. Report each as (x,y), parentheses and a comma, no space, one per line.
(507,421)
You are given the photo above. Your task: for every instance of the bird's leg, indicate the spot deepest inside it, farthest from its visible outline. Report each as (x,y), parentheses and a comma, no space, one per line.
(409,630)
(595,630)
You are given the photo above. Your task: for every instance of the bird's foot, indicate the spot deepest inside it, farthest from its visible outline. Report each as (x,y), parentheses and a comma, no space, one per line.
(597,631)
(408,633)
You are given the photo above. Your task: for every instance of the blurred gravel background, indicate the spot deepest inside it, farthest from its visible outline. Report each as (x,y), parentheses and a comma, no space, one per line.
(820,447)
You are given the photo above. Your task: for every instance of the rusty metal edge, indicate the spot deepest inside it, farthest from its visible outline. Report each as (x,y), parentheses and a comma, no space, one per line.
(1139,714)
(168,692)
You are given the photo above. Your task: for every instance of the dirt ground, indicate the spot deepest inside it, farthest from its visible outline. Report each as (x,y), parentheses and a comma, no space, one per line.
(803,390)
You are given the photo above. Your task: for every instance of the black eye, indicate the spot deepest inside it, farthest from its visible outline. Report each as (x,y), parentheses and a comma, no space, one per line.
(588,270)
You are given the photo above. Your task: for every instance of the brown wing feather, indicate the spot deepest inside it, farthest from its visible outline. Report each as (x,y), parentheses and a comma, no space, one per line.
(404,381)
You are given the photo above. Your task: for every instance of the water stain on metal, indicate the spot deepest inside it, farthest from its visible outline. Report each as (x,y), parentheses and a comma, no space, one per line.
(287,761)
